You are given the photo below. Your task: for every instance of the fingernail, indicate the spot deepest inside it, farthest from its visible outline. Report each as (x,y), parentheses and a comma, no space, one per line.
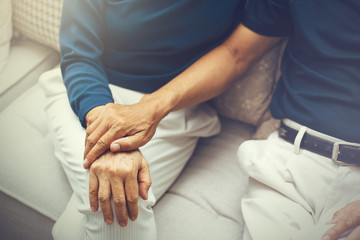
(93,209)
(108,221)
(85,163)
(132,218)
(116,147)
(123,224)
(326,237)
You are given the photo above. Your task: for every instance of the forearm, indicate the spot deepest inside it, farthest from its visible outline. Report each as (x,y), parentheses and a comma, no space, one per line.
(206,78)
(213,73)
(81,48)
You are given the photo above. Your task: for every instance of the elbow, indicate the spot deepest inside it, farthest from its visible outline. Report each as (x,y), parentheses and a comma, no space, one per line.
(240,58)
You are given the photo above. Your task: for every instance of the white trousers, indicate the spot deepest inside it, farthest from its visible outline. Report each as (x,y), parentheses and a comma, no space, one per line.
(292,194)
(167,153)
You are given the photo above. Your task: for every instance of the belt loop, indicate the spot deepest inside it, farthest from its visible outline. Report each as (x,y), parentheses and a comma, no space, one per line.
(297,141)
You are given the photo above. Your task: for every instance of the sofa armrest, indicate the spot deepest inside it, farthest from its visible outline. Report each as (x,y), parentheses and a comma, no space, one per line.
(27,60)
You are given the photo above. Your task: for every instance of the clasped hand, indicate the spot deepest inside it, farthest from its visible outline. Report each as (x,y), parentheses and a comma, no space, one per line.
(123,177)
(119,128)
(122,173)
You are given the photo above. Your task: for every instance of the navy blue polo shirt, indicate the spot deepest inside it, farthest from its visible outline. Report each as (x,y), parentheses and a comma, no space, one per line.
(320,82)
(136,44)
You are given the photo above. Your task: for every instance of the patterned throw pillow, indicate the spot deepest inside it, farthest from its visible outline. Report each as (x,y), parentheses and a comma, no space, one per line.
(38,20)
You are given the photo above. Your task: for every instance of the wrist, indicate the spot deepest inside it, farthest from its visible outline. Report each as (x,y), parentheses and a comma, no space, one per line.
(92,114)
(161,104)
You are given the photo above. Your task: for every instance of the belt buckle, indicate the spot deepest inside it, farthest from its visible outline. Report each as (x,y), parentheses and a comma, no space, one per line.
(335,152)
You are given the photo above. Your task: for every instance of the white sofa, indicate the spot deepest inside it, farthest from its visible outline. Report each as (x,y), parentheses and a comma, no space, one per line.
(204,203)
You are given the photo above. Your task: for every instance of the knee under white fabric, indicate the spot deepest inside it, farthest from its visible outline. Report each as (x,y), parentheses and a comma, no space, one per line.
(292,196)
(167,153)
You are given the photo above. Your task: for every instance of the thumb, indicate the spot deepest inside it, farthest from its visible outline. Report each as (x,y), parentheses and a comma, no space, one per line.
(128,143)
(144,180)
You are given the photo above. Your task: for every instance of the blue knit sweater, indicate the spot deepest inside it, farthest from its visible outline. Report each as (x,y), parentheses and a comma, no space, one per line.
(136,44)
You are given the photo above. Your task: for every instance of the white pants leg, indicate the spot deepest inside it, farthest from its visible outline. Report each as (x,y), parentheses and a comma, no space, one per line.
(292,196)
(167,154)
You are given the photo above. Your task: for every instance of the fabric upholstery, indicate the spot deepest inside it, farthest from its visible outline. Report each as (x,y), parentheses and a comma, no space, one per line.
(29,171)
(34,59)
(33,225)
(5,31)
(205,202)
(32,173)
(38,20)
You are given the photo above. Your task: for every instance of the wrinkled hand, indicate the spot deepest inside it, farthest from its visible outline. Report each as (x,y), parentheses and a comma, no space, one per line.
(120,128)
(345,219)
(122,177)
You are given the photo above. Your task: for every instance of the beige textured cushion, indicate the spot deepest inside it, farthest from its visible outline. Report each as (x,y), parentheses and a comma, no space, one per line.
(38,20)
(249,97)
(5,31)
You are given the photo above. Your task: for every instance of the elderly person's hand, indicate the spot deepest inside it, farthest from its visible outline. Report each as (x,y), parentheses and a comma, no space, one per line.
(346,219)
(121,176)
(120,127)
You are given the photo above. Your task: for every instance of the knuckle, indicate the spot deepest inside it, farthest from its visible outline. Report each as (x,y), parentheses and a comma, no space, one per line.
(335,231)
(119,123)
(101,143)
(331,233)
(119,201)
(109,106)
(349,223)
(92,191)
(146,138)
(111,118)
(96,167)
(104,199)
(91,141)
(146,164)
(348,205)
(107,174)
(93,169)
(114,173)
(132,199)
(88,131)
(149,184)
(127,171)
(116,127)
(337,212)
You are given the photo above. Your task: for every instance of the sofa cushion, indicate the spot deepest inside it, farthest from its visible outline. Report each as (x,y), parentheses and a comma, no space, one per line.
(38,20)
(5,31)
(209,189)
(204,203)
(27,60)
(248,98)
(19,222)
(29,171)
